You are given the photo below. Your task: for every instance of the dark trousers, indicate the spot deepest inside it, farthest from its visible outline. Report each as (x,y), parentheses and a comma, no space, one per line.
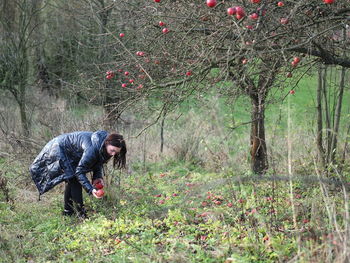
(73,195)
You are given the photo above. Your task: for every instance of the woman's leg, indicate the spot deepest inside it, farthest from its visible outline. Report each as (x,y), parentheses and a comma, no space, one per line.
(74,195)
(68,202)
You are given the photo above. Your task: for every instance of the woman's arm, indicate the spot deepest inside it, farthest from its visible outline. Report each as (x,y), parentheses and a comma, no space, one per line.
(86,165)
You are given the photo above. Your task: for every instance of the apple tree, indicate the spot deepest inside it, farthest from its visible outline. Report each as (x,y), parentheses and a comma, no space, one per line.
(182,47)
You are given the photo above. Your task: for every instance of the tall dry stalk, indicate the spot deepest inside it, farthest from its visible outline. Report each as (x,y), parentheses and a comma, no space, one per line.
(290,174)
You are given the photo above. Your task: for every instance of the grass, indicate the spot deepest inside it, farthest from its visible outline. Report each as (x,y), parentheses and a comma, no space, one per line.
(175,215)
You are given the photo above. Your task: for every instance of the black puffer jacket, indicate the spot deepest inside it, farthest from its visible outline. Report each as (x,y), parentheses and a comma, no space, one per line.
(69,155)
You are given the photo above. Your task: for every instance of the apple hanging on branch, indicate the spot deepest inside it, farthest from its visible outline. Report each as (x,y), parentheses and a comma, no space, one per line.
(211,3)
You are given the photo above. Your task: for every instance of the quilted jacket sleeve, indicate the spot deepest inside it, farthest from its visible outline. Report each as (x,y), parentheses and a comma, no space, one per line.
(97,172)
(86,164)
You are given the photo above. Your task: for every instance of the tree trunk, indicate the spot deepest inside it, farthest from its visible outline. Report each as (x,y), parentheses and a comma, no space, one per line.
(162,133)
(259,163)
(333,146)
(22,67)
(22,109)
(111,111)
(327,112)
(319,143)
(110,100)
(334,139)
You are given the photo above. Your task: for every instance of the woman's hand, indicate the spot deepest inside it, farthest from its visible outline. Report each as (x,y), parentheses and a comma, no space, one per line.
(98,193)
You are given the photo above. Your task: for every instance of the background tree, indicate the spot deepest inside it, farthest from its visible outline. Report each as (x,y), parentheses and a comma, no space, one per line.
(16,42)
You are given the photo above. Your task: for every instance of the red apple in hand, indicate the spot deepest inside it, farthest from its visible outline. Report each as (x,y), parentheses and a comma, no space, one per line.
(98,185)
(100,193)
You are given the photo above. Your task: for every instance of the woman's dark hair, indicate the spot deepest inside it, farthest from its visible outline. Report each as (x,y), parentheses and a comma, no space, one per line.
(117,140)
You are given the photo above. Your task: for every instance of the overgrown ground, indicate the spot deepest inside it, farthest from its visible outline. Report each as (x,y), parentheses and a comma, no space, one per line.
(181,214)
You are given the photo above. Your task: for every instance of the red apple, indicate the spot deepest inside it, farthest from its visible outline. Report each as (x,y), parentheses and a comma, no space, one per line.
(140,86)
(188,73)
(254,16)
(157,1)
(109,74)
(140,53)
(131,80)
(229,204)
(284,21)
(124,85)
(280,4)
(121,34)
(328,1)
(165,30)
(255,1)
(98,185)
(292,92)
(249,27)
(100,193)
(239,17)
(244,61)
(294,64)
(240,11)
(126,73)
(211,3)
(231,11)
(161,23)
(296,59)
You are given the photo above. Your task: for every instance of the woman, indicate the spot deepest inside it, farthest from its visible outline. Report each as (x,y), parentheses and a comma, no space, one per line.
(69,157)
